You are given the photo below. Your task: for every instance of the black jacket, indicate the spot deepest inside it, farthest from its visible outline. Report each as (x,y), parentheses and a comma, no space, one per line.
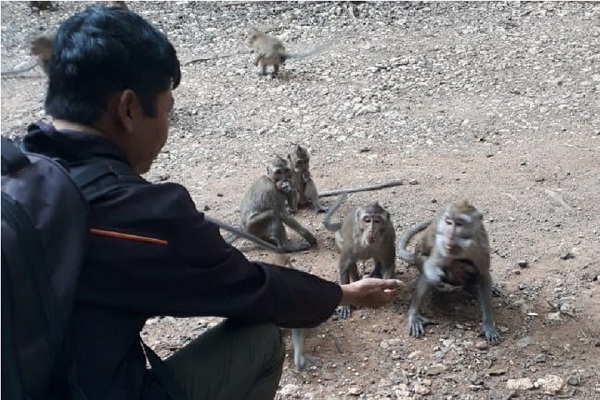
(173,263)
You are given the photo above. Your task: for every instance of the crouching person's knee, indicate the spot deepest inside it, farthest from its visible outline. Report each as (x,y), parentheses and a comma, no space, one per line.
(233,360)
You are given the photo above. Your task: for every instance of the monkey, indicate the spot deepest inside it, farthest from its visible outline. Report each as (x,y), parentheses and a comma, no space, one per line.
(367,233)
(305,185)
(270,51)
(298,334)
(40,47)
(263,208)
(454,249)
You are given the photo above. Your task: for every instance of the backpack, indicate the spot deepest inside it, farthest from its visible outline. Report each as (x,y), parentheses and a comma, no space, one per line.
(45,234)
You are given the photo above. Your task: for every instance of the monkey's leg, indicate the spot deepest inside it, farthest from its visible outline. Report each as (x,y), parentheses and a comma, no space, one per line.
(311,193)
(275,68)
(277,230)
(485,297)
(417,322)
(260,225)
(298,345)
(295,225)
(348,270)
(257,59)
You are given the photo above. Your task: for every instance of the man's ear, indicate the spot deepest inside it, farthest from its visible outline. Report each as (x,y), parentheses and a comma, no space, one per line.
(127,108)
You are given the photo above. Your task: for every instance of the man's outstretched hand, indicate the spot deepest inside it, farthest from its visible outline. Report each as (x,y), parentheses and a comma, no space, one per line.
(369,292)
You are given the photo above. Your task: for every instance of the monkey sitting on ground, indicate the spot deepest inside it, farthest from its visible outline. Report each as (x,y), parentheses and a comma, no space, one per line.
(454,249)
(270,51)
(298,334)
(367,233)
(264,211)
(305,185)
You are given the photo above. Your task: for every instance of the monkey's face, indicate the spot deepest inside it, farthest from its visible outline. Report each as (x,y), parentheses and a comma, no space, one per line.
(372,227)
(281,174)
(301,164)
(456,231)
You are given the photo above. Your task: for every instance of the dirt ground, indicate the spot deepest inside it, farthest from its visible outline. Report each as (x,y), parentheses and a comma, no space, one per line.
(495,102)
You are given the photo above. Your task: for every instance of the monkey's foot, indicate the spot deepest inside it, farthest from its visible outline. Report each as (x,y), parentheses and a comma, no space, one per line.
(416,325)
(491,334)
(344,311)
(321,209)
(299,361)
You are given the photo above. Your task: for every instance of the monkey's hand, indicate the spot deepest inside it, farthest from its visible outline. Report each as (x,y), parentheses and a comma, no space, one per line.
(369,292)
(286,186)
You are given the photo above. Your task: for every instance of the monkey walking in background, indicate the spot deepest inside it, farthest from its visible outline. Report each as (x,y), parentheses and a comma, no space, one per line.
(298,334)
(40,47)
(264,211)
(454,249)
(367,233)
(270,51)
(301,178)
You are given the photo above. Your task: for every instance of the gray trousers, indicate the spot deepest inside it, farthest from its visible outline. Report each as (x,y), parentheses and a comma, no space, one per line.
(231,361)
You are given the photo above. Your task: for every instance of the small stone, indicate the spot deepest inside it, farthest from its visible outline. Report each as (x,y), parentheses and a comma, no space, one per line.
(413,182)
(554,316)
(421,389)
(481,345)
(495,371)
(524,342)
(574,380)
(551,384)
(540,358)
(355,391)
(519,384)
(522,264)
(414,354)
(436,369)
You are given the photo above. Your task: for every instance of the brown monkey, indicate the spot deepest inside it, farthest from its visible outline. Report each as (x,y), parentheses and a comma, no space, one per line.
(305,185)
(367,233)
(454,249)
(298,334)
(270,51)
(40,47)
(263,208)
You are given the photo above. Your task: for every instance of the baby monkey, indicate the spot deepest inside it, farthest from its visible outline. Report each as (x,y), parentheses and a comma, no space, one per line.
(367,233)
(454,249)
(305,185)
(270,51)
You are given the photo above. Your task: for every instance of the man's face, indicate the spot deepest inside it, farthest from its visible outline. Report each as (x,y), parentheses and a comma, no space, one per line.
(150,133)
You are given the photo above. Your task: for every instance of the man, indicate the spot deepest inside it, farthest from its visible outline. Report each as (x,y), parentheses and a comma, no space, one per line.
(151,252)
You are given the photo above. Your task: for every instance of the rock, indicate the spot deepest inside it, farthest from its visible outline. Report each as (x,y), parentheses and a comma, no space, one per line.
(574,380)
(355,391)
(551,384)
(436,369)
(421,389)
(519,384)
(524,342)
(522,264)
(482,345)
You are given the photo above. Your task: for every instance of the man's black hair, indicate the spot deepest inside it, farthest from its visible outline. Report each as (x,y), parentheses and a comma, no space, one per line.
(100,51)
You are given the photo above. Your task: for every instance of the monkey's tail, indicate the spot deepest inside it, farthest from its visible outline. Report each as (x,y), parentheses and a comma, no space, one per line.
(19,70)
(309,53)
(361,188)
(240,233)
(326,220)
(403,252)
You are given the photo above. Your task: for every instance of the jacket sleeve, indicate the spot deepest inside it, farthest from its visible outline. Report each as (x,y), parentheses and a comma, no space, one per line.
(152,253)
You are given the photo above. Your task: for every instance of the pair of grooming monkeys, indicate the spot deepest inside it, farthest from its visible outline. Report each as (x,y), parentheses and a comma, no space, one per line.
(454,248)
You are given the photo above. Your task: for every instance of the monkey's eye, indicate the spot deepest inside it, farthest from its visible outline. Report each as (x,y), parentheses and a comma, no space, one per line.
(449,221)
(367,219)
(287,171)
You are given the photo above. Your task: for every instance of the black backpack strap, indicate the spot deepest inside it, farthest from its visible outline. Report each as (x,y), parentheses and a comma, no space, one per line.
(100,176)
(13,159)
